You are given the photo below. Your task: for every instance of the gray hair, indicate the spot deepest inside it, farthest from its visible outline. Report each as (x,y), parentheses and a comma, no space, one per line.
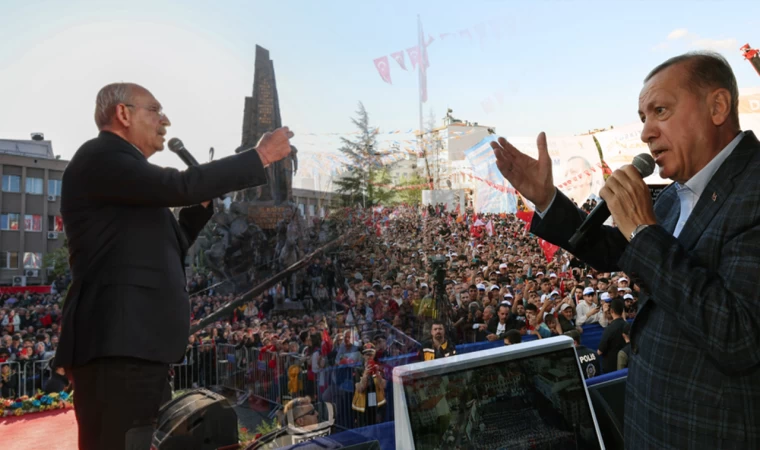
(107,100)
(707,70)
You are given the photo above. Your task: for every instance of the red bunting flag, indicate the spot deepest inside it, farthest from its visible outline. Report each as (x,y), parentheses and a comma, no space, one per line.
(414,55)
(383,69)
(399,57)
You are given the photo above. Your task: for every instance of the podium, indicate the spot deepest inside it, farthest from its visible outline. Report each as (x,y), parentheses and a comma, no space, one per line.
(607,393)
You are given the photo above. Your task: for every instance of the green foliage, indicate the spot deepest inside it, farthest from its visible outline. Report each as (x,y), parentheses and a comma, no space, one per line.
(58,260)
(410,196)
(364,167)
(267,427)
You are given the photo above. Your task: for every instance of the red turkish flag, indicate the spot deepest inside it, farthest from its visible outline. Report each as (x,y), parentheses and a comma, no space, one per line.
(399,57)
(549,249)
(383,69)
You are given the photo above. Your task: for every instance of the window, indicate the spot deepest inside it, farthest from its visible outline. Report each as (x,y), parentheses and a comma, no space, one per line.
(32,260)
(9,222)
(8,260)
(34,185)
(311,210)
(55,223)
(32,222)
(54,187)
(11,183)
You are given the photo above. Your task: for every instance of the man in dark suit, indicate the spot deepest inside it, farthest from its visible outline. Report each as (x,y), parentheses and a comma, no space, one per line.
(695,343)
(127,315)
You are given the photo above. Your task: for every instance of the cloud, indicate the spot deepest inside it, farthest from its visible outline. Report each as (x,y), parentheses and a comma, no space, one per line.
(692,40)
(716,44)
(678,33)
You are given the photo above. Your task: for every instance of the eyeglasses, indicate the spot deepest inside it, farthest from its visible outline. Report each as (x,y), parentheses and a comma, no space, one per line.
(312,412)
(154,109)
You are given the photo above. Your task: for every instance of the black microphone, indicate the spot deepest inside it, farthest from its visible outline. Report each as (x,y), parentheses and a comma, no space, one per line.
(644,163)
(178,147)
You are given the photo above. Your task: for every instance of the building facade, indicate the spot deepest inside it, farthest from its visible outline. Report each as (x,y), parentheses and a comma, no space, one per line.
(30,220)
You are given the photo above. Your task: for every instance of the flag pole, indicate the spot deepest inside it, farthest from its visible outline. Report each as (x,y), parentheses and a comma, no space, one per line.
(420,48)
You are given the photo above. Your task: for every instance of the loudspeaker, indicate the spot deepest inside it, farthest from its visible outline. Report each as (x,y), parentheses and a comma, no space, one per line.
(197,420)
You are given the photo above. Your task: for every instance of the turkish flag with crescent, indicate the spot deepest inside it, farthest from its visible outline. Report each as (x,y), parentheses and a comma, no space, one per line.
(548,248)
(383,68)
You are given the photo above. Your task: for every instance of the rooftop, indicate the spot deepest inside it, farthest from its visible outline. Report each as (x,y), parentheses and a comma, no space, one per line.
(29,148)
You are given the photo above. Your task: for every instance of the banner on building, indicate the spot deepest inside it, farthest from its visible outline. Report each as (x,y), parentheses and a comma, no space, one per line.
(494,193)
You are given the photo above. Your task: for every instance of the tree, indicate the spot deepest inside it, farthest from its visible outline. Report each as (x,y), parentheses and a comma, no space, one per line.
(57,260)
(364,168)
(411,196)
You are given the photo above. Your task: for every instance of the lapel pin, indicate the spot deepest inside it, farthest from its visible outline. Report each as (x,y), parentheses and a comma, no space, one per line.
(715,196)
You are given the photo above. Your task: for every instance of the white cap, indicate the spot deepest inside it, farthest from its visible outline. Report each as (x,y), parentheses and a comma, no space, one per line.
(552,293)
(508,295)
(481,287)
(423,285)
(564,307)
(588,291)
(494,288)
(623,279)
(539,273)
(552,275)
(370,294)
(628,297)
(606,297)
(506,302)
(503,266)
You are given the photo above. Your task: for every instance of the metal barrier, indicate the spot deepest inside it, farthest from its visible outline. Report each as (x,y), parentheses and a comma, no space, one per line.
(232,364)
(199,369)
(40,374)
(12,381)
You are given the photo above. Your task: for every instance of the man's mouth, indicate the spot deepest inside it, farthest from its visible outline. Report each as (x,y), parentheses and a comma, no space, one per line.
(657,154)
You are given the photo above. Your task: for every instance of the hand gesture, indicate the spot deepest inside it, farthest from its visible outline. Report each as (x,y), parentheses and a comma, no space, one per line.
(274,146)
(532,178)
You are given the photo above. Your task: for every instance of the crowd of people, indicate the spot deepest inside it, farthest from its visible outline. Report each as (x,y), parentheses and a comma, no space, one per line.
(369,305)
(29,338)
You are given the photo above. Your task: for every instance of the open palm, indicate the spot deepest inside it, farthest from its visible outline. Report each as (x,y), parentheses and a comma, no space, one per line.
(531,177)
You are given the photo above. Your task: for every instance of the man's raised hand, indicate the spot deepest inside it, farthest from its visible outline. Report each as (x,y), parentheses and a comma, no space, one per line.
(532,178)
(274,146)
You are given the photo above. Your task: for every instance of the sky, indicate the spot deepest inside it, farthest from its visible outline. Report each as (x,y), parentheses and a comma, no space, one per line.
(564,67)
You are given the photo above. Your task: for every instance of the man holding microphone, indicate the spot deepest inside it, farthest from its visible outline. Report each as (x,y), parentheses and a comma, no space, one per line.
(695,343)
(126,317)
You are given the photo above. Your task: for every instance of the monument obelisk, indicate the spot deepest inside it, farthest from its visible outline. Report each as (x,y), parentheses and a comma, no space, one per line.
(260,115)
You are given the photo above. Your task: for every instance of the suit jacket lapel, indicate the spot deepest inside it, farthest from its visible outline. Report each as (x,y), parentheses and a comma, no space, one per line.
(717,191)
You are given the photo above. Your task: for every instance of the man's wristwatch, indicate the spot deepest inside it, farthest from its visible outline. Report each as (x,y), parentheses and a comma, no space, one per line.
(638,230)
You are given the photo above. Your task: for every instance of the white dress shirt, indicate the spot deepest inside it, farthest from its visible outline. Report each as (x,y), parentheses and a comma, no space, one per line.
(690,192)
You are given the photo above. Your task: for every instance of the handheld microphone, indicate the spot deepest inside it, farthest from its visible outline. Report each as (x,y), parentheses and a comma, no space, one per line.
(644,163)
(176,146)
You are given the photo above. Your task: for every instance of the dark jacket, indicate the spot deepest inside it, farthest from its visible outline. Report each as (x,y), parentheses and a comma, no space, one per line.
(695,347)
(128,295)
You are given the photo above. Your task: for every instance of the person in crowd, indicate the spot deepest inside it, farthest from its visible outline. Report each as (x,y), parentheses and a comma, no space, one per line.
(369,394)
(590,365)
(438,346)
(612,339)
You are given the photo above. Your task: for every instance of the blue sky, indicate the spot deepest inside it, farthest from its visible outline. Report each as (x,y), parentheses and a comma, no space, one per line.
(560,66)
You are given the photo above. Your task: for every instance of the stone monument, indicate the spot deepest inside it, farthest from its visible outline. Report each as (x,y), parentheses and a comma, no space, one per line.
(261,115)
(261,231)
